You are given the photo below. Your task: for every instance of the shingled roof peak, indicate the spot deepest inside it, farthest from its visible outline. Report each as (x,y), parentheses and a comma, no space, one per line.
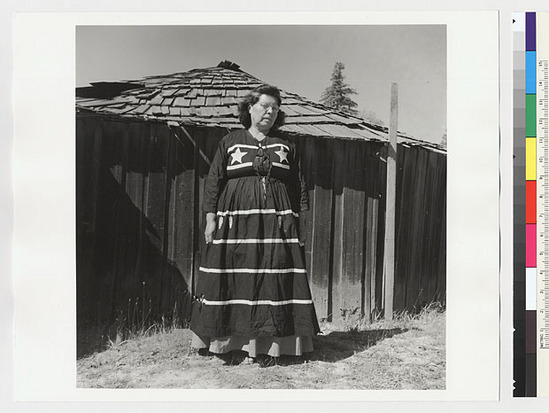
(227,64)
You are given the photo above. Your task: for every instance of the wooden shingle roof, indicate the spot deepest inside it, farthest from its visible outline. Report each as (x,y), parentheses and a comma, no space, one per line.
(209,97)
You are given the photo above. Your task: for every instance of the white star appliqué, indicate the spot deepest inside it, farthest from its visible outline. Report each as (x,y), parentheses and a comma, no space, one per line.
(237,156)
(282,154)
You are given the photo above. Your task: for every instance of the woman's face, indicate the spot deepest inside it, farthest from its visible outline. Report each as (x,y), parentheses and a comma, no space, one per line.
(263,113)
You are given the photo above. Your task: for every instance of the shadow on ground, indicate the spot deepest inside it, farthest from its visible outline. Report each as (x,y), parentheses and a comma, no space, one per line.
(333,347)
(91,339)
(339,345)
(94,338)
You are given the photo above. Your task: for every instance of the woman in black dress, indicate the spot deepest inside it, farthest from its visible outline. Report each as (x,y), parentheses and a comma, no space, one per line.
(252,292)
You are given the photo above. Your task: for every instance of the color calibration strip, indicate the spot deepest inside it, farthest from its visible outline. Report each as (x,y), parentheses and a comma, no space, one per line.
(531,201)
(531,213)
(520,362)
(540,84)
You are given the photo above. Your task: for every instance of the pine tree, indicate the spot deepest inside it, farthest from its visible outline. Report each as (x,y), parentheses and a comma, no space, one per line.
(337,94)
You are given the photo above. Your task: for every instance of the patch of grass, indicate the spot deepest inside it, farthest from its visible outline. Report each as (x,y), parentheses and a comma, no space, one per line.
(403,320)
(131,323)
(407,352)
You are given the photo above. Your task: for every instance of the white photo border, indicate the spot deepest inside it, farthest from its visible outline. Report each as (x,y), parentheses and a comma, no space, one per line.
(44,259)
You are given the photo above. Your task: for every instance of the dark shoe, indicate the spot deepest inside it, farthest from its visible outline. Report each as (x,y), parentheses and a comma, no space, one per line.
(265,360)
(204,352)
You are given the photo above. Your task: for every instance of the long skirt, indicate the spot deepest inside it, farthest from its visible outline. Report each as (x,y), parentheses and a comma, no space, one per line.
(252,291)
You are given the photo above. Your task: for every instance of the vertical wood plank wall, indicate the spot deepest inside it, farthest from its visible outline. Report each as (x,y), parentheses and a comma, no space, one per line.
(139,223)
(420,276)
(346,180)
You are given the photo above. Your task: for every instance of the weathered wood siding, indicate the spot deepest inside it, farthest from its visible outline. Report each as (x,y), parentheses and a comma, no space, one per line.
(342,239)
(135,191)
(420,275)
(139,220)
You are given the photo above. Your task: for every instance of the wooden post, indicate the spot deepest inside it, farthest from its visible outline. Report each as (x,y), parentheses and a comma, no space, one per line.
(389,248)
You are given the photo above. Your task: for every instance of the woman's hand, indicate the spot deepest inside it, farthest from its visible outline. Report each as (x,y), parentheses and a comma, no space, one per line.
(210,227)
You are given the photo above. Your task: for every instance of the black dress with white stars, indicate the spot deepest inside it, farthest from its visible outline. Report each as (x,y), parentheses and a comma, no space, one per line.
(252,291)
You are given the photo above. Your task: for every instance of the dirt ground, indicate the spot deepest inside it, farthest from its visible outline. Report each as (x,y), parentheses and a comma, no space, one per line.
(403,354)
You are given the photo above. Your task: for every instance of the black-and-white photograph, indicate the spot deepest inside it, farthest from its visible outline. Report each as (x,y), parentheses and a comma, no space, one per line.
(261,206)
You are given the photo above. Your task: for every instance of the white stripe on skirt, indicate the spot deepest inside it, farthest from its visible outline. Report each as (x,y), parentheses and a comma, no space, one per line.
(258,302)
(254,270)
(257,211)
(257,241)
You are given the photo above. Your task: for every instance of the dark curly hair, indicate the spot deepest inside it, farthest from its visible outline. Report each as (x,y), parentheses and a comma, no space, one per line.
(251,99)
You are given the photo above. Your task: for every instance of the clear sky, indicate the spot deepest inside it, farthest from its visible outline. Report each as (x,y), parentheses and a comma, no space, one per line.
(298,59)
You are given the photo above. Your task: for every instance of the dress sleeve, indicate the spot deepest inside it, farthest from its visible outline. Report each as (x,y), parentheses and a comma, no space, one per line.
(298,187)
(216,179)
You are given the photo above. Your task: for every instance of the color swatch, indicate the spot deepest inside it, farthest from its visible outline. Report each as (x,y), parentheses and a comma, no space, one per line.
(531,204)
